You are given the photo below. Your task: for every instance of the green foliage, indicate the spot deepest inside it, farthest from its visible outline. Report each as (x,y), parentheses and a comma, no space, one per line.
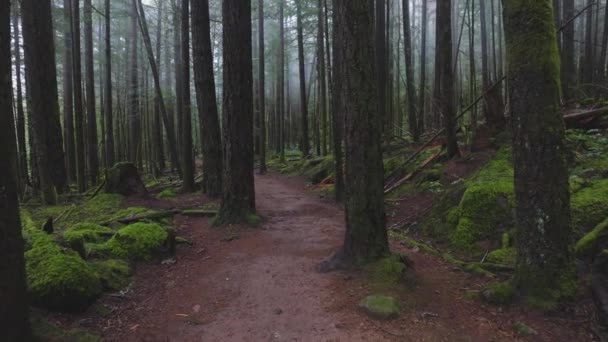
(380,307)
(387,272)
(136,241)
(588,243)
(114,274)
(253,219)
(167,194)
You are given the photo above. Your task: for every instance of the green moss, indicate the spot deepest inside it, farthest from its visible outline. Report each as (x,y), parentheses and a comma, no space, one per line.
(380,307)
(387,272)
(503,256)
(136,241)
(131,211)
(114,274)
(43,330)
(590,206)
(320,171)
(82,233)
(60,281)
(588,243)
(506,240)
(167,194)
(486,207)
(499,293)
(523,330)
(253,219)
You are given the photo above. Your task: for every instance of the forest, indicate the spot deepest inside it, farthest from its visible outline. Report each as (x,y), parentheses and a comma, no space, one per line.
(303,170)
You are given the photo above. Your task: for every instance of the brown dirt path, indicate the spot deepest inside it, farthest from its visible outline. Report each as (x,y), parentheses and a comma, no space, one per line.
(242,284)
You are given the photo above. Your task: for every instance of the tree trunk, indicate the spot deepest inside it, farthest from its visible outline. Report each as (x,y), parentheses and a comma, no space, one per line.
(422,90)
(23,167)
(541,176)
(322,79)
(380,60)
(78,101)
(337,117)
(186,131)
(304,140)
(238,196)
(446,78)
(110,159)
(168,123)
(159,155)
(492,111)
(366,237)
(14,321)
(281,81)
(211,141)
(68,94)
(262,90)
(93,157)
(588,60)
(41,79)
(133,121)
(409,73)
(568,73)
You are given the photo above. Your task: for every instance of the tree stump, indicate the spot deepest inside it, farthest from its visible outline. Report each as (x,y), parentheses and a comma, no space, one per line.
(124,179)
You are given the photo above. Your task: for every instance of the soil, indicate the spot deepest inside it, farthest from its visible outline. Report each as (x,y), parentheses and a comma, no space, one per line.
(239,283)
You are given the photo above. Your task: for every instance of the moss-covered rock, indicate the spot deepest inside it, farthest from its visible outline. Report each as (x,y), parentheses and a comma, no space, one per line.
(380,307)
(76,236)
(587,245)
(136,241)
(114,274)
(389,272)
(589,206)
(486,208)
(503,256)
(499,293)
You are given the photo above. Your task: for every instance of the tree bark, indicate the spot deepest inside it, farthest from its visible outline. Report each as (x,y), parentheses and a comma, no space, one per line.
(568,71)
(133,121)
(41,80)
(93,157)
(409,73)
(337,117)
(541,175)
(68,94)
(366,237)
(238,196)
(159,145)
(109,115)
(23,167)
(380,60)
(304,140)
(14,311)
(281,81)
(78,101)
(186,131)
(322,80)
(422,89)
(211,141)
(262,90)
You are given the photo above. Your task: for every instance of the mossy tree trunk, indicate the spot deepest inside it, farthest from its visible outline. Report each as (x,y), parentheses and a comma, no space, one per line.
(544,265)
(366,237)
(238,196)
(14,321)
(41,83)
(206,97)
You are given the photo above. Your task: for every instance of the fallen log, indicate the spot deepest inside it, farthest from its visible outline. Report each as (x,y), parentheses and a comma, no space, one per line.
(199,212)
(397,184)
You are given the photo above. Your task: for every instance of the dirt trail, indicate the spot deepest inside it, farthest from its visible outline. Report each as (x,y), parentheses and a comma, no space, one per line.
(242,284)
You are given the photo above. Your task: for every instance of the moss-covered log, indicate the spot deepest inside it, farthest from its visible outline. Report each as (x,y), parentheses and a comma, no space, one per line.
(544,268)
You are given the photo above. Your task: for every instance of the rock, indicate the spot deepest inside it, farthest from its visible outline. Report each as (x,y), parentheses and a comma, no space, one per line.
(380,307)
(124,179)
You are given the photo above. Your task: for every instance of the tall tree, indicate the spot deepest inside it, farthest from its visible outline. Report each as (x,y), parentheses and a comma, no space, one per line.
(491,108)
(133,121)
(322,79)
(79,118)
(14,320)
(23,167)
(238,195)
(92,155)
(304,140)
(541,176)
(159,155)
(568,71)
(337,115)
(380,60)
(366,237)
(186,131)
(262,86)
(588,59)
(422,88)
(409,73)
(446,75)
(41,81)
(281,81)
(108,110)
(211,141)
(68,94)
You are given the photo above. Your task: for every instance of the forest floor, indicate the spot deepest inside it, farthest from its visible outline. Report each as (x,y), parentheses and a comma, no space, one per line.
(259,284)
